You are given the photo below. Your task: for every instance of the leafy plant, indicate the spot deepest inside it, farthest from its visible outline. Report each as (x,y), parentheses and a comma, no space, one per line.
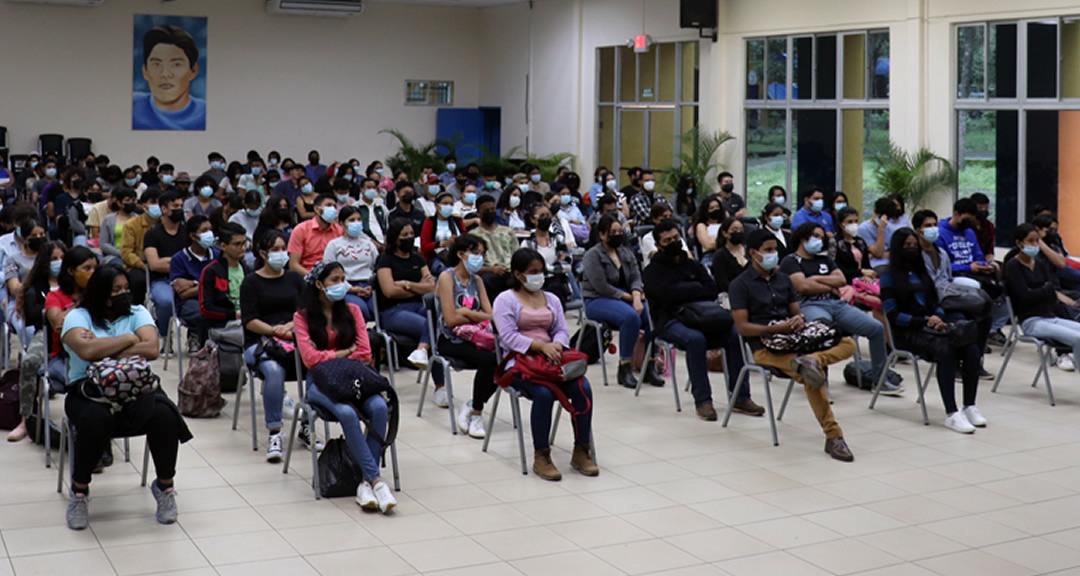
(914,176)
(508,162)
(411,158)
(549,165)
(697,157)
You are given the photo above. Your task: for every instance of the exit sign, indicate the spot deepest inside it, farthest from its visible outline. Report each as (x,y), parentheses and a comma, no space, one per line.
(642,43)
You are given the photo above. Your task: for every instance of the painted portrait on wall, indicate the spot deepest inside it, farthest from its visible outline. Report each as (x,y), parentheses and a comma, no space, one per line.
(169,73)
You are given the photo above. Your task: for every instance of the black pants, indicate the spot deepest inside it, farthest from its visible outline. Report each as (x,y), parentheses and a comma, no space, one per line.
(483,360)
(95,426)
(495,284)
(967,360)
(137,282)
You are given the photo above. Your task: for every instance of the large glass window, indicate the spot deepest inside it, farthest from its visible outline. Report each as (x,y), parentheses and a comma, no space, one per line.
(816,114)
(1017,90)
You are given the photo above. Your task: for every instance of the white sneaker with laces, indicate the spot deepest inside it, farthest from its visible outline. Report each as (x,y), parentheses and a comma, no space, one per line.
(385,496)
(419,358)
(974,417)
(365,497)
(1065,362)
(273,448)
(463,416)
(959,423)
(441,398)
(476,426)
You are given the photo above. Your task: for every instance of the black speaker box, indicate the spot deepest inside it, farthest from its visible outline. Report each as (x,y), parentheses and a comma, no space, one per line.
(697,14)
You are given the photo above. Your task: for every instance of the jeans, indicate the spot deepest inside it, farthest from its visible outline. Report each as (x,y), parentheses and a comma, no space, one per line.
(365,449)
(162,294)
(621,315)
(999,316)
(1070,277)
(24,332)
(363,303)
(696,344)
(273,392)
(818,397)
(1066,332)
(853,321)
(190,316)
(410,319)
(542,401)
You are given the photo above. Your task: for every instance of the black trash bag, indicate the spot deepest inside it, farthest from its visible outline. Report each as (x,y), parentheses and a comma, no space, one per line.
(868,381)
(339,474)
(585,341)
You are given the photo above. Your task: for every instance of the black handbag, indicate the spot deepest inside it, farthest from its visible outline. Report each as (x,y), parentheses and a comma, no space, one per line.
(339,474)
(346,380)
(705,317)
(957,334)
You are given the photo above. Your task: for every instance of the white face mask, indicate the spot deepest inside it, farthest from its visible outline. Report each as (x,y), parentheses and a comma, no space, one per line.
(851,229)
(515,201)
(534,282)
(649,186)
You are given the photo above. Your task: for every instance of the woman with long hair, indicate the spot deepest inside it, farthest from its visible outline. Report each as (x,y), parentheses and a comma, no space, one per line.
(706,224)
(685,196)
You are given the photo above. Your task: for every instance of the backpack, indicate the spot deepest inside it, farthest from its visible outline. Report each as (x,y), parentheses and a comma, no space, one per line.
(868,381)
(9,400)
(585,341)
(537,369)
(200,390)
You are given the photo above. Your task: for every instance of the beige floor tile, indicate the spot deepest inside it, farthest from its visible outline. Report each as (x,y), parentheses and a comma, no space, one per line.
(277,567)
(770,563)
(788,532)
(191,500)
(629,500)
(222,522)
(645,557)
(651,472)
(524,543)
(375,562)
(299,514)
(1035,519)
(90,563)
(443,554)
(329,538)
(497,569)
(1038,554)
(853,521)
(1028,489)
(560,509)
(973,499)
(250,547)
(47,540)
(720,544)
(597,532)
(973,562)
(403,529)
(915,509)
(445,498)
(672,521)
(974,531)
(156,557)
(741,510)
(803,500)
(912,543)
(566,564)
(845,557)
(482,519)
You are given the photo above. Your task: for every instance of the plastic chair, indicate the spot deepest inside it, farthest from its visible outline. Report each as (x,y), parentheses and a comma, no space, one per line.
(51,144)
(435,325)
(767,374)
(390,340)
(67,451)
(251,374)
(1042,346)
(668,350)
(893,358)
(78,148)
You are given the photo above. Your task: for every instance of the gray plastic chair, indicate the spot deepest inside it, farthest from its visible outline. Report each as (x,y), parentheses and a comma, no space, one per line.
(1042,346)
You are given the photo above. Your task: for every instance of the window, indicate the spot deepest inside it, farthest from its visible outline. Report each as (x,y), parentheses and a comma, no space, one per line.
(429,93)
(798,131)
(645,102)
(1018,118)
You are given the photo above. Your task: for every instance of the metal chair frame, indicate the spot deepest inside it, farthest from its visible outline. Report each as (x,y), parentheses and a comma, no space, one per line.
(1043,347)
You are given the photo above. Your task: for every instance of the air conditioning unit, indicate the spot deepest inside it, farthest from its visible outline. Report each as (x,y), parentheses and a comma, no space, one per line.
(64,2)
(326,8)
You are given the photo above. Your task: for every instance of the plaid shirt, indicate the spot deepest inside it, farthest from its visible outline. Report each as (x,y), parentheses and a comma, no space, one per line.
(641,204)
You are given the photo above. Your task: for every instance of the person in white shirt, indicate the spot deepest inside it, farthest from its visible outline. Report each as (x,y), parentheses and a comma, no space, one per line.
(373,212)
(357,254)
(657,214)
(254,180)
(465,208)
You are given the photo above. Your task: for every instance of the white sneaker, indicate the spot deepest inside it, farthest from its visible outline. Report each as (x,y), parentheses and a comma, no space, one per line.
(288,408)
(441,398)
(959,423)
(974,417)
(365,497)
(273,449)
(476,426)
(463,416)
(1065,362)
(385,496)
(419,358)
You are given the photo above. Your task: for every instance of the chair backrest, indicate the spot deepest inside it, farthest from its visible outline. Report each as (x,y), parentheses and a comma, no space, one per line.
(51,144)
(3,137)
(78,148)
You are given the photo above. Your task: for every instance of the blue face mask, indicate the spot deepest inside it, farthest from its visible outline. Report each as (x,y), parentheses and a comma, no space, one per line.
(329,213)
(508,181)
(254,212)
(379,171)
(54,267)
(770,260)
(154,211)
(470,198)
(206,191)
(839,206)
(256,170)
(342,198)
(50,172)
(779,199)
(371,193)
(308,188)
(1031,251)
(813,246)
(277,260)
(535,178)
(354,229)
(348,177)
(446,210)
(565,199)
(337,292)
(131,182)
(433,189)
(450,167)
(931,234)
(776,222)
(523,187)
(474,263)
(167,179)
(817,205)
(206,239)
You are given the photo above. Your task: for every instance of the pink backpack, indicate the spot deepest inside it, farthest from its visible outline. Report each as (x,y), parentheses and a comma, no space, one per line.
(480,334)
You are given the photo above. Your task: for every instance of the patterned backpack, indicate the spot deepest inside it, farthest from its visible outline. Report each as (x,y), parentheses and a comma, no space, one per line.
(119,381)
(200,390)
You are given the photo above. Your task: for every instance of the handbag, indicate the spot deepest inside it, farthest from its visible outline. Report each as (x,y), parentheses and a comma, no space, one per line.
(957,334)
(972,302)
(339,474)
(706,317)
(119,381)
(480,334)
(814,337)
(537,369)
(348,381)
(867,294)
(280,351)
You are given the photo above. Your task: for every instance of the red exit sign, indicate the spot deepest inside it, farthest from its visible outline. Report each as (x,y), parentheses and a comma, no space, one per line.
(641,43)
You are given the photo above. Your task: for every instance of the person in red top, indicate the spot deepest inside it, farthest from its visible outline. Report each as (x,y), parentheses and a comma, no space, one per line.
(439,232)
(327,328)
(309,239)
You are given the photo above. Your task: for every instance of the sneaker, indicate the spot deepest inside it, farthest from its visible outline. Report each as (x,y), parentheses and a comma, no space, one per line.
(707,412)
(78,511)
(996,338)
(975,417)
(890,389)
(748,406)
(365,497)
(166,503)
(1065,362)
(476,426)
(167,348)
(304,436)
(273,448)
(810,370)
(463,416)
(984,375)
(288,408)
(385,497)
(419,359)
(441,398)
(192,342)
(959,423)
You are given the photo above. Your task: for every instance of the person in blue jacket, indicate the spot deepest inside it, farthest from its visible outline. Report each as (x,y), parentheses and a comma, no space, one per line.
(813,210)
(170,65)
(957,238)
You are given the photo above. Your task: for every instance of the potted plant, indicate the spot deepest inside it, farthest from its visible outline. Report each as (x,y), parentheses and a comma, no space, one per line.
(697,157)
(914,176)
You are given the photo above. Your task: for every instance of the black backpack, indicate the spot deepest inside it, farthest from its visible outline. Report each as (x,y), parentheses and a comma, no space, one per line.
(585,341)
(868,381)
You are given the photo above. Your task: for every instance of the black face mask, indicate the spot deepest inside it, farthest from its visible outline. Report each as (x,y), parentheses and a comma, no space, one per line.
(121,304)
(966,225)
(282,214)
(716,214)
(177,216)
(405,245)
(911,255)
(35,244)
(129,208)
(673,250)
(95,197)
(983,215)
(462,183)
(488,218)
(615,240)
(543,224)
(314,160)
(728,188)
(408,198)
(738,238)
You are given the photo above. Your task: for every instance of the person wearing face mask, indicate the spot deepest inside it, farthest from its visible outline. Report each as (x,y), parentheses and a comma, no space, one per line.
(462,300)
(248,218)
(813,210)
(132,179)
(217,168)
(107,324)
(957,238)
(427,193)
(327,184)
(329,328)
(47,175)
(254,179)
(531,321)
(168,238)
(220,282)
(642,202)
(449,176)
(648,247)
(733,203)
(835,204)
(202,203)
(730,259)
(877,231)
(460,181)
(314,169)
(308,241)
(910,300)
(529,196)
(355,251)
(439,232)
(292,187)
(276,215)
(773,218)
(185,270)
(613,292)
(372,212)
(509,210)
(121,210)
(407,207)
(166,179)
(706,224)
(818,281)
(536,183)
(685,197)
(465,207)
(557,259)
(71,192)
(32,239)
(672,281)
(778,195)
(763,294)
(305,198)
(501,244)
(848,249)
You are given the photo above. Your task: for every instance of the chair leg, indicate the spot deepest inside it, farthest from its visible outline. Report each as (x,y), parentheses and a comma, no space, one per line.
(735,394)
(919,383)
(254,425)
(448,379)
(603,352)
(145,461)
(423,391)
(858,363)
(515,407)
(292,438)
(644,365)
(1010,345)
(889,362)
(674,378)
(1046,375)
(769,407)
(393,460)
(314,454)
(61,458)
(555,424)
(245,378)
(491,421)
(127,450)
(179,349)
(783,404)
(45,422)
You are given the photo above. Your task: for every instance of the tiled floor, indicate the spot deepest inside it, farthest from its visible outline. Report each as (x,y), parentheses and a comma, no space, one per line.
(675,495)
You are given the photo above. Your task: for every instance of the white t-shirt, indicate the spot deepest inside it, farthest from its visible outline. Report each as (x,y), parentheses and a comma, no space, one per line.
(648,247)
(356,255)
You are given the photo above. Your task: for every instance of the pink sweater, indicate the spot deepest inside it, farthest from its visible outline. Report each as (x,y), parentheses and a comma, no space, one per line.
(313,356)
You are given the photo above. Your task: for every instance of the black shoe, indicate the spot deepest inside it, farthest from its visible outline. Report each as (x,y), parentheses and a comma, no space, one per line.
(652,377)
(626,376)
(105,461)
(996,338)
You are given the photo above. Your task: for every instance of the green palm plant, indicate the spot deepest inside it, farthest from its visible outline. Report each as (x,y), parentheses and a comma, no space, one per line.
(411,158)
(549,165)
(914,176)
(697,157)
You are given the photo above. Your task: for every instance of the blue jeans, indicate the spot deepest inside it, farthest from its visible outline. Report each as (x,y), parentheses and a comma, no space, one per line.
(162,294)
(273,392)
(1069,276)
(621,315)
(1059,330)
(190,316)
(365,449)
(853,321)
(542,401)
(410,319)
(696,345)
(363,303)
(999,316)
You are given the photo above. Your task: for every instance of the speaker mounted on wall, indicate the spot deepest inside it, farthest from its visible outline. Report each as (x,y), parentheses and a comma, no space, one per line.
(699,14)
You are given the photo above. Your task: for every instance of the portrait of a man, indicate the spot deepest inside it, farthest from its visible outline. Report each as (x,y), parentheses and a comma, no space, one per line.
(169,82)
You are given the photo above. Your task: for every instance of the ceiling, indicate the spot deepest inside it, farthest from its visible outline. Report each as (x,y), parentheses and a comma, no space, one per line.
(462,3)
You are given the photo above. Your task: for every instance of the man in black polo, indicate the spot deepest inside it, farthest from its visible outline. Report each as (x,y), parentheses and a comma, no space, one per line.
(763,294)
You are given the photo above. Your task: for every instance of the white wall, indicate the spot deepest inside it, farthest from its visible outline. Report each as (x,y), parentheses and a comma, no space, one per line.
(274,82)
